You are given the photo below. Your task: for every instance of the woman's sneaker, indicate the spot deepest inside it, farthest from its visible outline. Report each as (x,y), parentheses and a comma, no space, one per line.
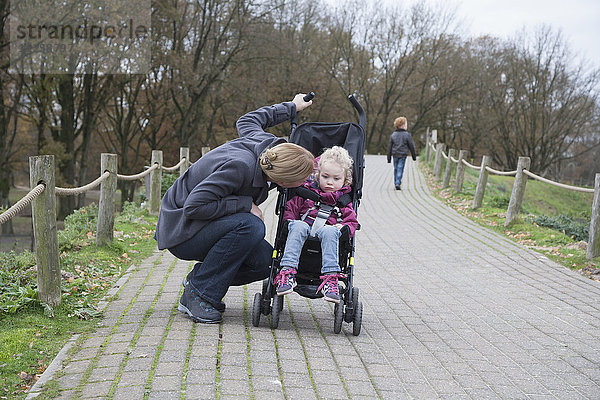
(285,281)
(197,309)
(329,287)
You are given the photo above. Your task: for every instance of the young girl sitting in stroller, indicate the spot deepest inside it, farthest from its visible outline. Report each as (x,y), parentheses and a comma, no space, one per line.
(334,176)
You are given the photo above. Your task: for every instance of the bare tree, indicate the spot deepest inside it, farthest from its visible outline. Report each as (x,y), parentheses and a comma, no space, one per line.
(203,36)
(397,60)
(120,128)
(465,120)
(11,90)
(542,105)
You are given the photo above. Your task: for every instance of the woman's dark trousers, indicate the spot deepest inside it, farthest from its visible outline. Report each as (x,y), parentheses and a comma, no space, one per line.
(232,251)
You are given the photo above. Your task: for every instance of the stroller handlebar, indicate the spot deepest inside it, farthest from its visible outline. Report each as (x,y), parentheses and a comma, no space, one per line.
(351,98)
(294,122)
(309,97)
(358,107)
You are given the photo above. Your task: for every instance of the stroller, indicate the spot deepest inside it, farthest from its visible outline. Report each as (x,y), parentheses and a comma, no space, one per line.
(315,137)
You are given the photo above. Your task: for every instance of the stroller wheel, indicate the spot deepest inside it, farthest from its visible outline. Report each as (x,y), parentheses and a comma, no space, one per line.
(357,319)
(349,314)
(256,308)
(265,285)
(275,311)
(338,317)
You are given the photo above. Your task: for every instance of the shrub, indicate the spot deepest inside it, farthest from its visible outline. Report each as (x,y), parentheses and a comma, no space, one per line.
(130,212)
(166,182)
(566,224)
(77,225)
(499,201)
(17,281)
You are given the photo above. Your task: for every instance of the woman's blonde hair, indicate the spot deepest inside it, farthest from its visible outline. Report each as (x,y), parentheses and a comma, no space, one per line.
(341,157)
(287,163)
(400,123)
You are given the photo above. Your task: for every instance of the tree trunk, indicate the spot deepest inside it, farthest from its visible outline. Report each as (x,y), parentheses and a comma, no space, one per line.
(66,136)
(7,228)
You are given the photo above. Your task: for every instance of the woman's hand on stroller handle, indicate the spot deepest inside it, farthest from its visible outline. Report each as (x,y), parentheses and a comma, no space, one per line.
(303,100)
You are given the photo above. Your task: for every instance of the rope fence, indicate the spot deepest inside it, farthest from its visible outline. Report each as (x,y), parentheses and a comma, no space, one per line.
(137,176)
(557,184)
(79,190)
(43,209)
(174,167)
(28,198)
(518,191)
(21,204)
(496,172)
(513,173)
(470,165)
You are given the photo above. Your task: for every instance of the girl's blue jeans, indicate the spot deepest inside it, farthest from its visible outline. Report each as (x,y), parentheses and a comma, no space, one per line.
(233,252)
(398,170)
(298,232)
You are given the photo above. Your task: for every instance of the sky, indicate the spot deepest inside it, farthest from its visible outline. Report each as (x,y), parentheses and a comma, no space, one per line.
(579,20)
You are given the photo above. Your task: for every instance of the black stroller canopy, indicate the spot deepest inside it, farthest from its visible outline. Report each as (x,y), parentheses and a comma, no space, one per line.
(318,136)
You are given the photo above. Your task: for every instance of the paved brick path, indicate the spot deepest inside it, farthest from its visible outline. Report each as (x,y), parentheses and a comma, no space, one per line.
(451,310)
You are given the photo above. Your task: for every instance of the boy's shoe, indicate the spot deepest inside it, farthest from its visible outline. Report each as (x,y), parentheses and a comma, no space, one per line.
(398,187)
(286,281)
(197,309)
(329,287)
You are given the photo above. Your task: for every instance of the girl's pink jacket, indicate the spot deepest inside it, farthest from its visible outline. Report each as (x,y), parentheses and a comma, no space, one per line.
(297,206)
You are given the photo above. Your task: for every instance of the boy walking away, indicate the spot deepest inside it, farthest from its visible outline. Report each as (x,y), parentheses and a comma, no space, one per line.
(401,142)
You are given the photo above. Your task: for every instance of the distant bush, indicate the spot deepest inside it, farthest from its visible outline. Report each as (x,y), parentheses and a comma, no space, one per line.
(566,224)
(77,225)
(17,281)
(130,212)
(166,182)
(499,201)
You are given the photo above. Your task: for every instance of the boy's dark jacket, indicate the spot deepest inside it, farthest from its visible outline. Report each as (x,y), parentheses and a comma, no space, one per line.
(226,180)
(401,142)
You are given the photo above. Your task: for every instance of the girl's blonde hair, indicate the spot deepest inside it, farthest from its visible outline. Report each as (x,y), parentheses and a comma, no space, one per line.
(287,163)
(400,123)
(341,157)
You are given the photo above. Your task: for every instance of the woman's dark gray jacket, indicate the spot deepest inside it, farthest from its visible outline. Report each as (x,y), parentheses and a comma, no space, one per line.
(226,180)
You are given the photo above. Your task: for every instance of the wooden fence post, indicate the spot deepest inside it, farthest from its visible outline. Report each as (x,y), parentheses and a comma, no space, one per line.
(106,206)
(155,179)
(460,171)
(439,158)
(427,149)
(518,191)
(184,152)
(593,248)
(205,150)
(448,171)
(43,213)
(481,183)
(432,140)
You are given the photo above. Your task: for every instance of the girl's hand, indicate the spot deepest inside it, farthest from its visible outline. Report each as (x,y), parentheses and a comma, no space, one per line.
(256,211)
(339,226)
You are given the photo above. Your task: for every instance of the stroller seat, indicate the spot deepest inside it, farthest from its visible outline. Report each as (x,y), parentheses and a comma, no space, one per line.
(308,277)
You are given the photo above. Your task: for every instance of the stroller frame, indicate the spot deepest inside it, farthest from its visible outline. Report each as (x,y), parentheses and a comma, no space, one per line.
(350,308)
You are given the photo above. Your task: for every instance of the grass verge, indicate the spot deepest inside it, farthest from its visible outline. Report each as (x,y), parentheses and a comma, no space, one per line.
(553,221)
(31,333)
